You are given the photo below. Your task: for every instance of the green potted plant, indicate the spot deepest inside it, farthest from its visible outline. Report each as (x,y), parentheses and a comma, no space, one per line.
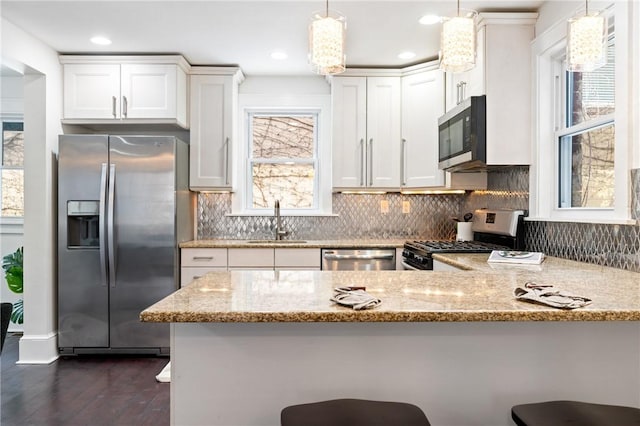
(12,265)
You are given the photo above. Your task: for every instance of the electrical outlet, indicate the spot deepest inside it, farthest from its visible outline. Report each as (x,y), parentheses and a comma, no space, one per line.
(384,206)
(406,207)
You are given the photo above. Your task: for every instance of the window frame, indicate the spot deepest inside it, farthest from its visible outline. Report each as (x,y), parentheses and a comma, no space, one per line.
(10,220)
(251,113)
(564,129)
(548,52)
(241,204)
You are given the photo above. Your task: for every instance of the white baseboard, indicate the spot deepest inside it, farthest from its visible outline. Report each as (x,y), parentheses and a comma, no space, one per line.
(38,349)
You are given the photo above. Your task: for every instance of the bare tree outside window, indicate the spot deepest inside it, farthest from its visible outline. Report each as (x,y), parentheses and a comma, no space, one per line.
(587,154)
(283,160)
(12,170)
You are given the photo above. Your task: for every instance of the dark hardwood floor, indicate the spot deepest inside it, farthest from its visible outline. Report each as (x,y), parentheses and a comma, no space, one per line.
(96,390)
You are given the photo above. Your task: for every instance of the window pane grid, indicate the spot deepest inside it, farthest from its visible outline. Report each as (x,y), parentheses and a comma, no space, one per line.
(283,160)
(586,138)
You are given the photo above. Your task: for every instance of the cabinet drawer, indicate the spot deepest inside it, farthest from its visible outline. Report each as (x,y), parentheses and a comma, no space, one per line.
(189,274)
(297,257)
(248,258)
(204,257)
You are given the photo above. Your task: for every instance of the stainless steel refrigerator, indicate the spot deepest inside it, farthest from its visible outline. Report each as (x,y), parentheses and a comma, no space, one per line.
(123,207)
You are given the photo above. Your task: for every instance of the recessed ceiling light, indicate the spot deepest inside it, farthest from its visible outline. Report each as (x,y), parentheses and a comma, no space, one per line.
(279,55)
(102,41)
(430,19)
(407,55)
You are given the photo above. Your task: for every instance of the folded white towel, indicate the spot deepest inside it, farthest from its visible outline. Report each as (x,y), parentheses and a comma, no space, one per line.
(516,257)
(546,294)
(356,299)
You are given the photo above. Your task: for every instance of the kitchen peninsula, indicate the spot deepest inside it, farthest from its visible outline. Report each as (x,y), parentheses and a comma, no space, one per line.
(457,344)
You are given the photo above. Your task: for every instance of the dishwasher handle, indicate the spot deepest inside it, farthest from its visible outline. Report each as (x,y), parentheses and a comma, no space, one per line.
(332,256)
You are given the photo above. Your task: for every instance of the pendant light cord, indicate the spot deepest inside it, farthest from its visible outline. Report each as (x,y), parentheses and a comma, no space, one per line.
(328,8)
(458,8)
(586,7)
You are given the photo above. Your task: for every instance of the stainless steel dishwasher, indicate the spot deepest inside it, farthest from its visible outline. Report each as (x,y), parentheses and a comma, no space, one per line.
(359,259)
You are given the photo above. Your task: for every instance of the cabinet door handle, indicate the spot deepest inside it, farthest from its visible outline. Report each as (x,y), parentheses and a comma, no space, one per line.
(403,162)
(113,106)
(362,162)
(226,164)
(124,106)
(202,257)
(464,91)
(370,153)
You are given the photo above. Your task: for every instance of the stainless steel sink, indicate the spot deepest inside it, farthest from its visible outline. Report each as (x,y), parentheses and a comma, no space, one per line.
(276,241)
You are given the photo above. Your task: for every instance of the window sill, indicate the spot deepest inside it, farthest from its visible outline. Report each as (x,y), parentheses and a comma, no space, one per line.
(10,225)
(582,220)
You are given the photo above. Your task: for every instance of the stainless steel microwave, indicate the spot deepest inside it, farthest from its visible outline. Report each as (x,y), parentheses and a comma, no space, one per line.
(463,136)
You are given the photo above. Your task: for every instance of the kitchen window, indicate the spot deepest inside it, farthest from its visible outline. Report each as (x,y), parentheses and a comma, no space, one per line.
(12,170)
(586,137)
(282,160)
(583,128)
(284,154)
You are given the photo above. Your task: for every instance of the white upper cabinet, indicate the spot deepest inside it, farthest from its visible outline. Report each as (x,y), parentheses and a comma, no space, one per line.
(137,89)
(366,132)
(422,104)
(213,112)
(503,74)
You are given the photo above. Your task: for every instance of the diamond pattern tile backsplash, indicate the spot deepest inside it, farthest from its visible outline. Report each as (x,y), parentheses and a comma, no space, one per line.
(359,217)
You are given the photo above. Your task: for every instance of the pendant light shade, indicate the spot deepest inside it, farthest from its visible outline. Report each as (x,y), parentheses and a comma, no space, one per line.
(458,43)
(327,42)
(587,42)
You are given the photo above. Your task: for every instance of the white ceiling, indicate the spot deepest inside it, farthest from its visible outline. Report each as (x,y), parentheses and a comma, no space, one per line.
(241,32)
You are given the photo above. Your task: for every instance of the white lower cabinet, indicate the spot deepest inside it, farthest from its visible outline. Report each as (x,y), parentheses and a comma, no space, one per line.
(251,258)
(195,262)
(297,258)
(188,274)
(198,261)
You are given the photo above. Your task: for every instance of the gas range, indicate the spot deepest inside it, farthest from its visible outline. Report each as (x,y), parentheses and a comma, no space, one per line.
(493,230)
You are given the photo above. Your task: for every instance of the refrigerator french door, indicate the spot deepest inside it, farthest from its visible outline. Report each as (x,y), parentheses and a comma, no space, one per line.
(123,206)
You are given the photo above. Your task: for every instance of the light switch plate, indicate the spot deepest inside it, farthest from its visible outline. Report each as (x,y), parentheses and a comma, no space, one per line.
(406,207)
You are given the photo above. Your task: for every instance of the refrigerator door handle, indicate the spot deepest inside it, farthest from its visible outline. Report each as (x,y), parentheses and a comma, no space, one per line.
(101,221)
(110,230)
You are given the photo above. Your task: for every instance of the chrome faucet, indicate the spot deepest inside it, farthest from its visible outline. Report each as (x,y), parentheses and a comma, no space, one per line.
(279,231)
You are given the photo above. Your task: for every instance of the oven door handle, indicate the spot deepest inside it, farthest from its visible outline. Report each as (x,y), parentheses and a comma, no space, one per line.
(406,266)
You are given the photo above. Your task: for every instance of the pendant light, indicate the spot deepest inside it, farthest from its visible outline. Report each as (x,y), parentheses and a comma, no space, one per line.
(587,41)
(458,43)
(327,42)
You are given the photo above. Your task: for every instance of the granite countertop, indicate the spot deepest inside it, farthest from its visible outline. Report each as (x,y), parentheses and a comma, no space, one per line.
(260,243)
(483,293)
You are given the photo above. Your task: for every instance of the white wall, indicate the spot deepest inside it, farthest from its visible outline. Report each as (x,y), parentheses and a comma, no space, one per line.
(42,113)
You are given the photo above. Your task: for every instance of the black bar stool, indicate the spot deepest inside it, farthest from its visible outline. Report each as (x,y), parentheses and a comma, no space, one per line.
(353,412)
(564,413)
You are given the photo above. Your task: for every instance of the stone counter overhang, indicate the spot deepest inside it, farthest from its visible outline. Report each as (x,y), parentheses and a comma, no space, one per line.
(258,243)
(483,292)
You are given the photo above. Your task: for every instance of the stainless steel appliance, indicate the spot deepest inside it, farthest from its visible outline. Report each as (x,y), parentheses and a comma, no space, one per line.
(359,259)
(462,136)
(123,205)
(493,230)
